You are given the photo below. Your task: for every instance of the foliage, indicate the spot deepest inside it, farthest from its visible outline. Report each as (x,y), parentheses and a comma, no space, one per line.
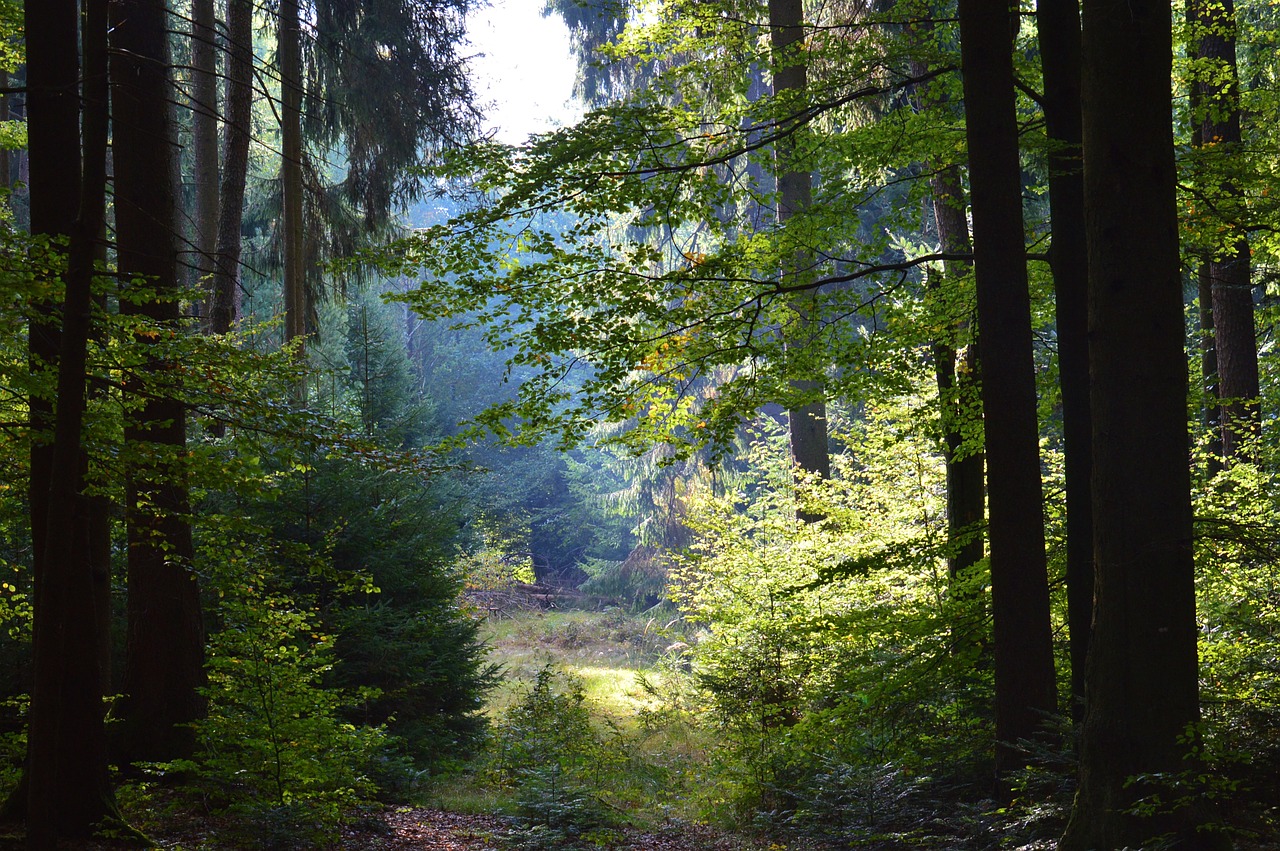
(831,660)
(548,748)
(274,751)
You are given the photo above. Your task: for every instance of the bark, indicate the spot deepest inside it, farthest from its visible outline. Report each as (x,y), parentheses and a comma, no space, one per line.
(808,422)
(204,139)
(164,653)
(1141,675)
(237,131)
(67,784)
(1058,24)
(1024,672)
(1217,113)
(958,389)
(289,57)
(53,180)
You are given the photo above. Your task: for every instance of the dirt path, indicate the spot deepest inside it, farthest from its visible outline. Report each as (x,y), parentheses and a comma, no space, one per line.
(420,830)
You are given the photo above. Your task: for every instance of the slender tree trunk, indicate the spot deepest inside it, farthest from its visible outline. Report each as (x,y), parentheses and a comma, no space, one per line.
(67,785)
(1026,689)
(1212,409)
(1058,25)
(808,422)
(1228,271)
(956,375)
(289,57)
(237,132)
(1141,676)
(1209,361)
(959,394)
(164,661)
(204,140)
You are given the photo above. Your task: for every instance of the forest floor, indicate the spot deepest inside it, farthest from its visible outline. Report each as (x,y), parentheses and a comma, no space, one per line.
(619,661)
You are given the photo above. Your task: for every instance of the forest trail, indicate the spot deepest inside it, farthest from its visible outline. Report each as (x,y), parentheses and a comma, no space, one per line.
(422,829)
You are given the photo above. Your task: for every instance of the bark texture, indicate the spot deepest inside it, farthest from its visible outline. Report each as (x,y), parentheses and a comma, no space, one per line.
(1227,269)
(289,57)
(164,653)
(1058,27)
(1026,690)
(1141,676)
(956,373)
(237,132)
(808,422)
(204,139)
(67,785)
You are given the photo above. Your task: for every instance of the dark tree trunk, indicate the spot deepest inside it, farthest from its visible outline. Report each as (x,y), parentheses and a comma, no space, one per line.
(67,785)
(1217,114)
(958,393)
(808,422)
(53,180)
(237,132)
(1141,676)
(1058,25)
(289,58)
(204,140)
(956,376)
(1026,689)
(165,641)
(1209,364)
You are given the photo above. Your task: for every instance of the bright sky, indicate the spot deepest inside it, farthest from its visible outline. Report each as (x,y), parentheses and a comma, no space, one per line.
(525,75)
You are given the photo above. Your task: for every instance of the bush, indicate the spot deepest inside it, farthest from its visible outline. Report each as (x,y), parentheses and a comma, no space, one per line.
(548,749)
(273,750)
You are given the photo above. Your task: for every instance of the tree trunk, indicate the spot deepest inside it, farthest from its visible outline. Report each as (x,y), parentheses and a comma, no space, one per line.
(1026,689)
(1058,25)
(164,661)
(1141,675)
(1217,112)
(237,132)
(289,50)
(956,376)
(204,140)
(53,180)
(808,422)
(958,394)
(67,784)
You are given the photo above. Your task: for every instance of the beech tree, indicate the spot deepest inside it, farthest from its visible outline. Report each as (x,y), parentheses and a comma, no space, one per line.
(66,785)
(1058,29)
(1231,368)
(1141,683)
(164,663)
(807,422)
(1026,688)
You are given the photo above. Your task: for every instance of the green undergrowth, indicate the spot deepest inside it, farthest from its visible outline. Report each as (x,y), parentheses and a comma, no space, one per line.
(589,728)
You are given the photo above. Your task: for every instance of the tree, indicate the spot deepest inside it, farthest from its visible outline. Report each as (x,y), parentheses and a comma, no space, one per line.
(204,139)
(808,421)
(1141,685)
(1026,687)
(956,365)
(165,641)
(67,786)
(1058,28)
(237,132)
(289,60)
(1233,368)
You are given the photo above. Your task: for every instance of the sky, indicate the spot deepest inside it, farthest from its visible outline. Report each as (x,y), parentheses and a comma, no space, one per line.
(523,71)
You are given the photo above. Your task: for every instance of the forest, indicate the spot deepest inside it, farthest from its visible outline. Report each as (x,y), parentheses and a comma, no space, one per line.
(717,470)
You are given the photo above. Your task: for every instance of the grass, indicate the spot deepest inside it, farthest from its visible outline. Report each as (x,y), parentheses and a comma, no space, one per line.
(606,650)
(612,655)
